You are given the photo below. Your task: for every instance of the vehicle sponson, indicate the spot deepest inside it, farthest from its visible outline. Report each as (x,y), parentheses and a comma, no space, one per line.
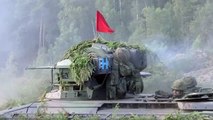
(142,105)
(196,101)
(196,106)
(102,108)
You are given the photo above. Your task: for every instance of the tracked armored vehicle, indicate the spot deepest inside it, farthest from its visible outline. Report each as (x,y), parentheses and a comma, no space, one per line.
(103,80)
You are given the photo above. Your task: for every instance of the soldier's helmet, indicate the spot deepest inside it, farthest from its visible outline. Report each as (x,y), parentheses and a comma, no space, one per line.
(178,85)
(189,82)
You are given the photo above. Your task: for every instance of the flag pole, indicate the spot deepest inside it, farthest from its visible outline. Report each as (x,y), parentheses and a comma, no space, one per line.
(94,30)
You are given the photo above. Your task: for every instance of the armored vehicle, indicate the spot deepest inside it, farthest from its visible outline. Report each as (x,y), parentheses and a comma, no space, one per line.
(96,77)
(98,72)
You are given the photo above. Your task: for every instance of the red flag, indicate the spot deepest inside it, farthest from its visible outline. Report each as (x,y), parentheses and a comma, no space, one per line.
(101,24)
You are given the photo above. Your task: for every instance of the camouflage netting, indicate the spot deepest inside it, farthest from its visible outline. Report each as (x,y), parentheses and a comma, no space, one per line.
(82,68)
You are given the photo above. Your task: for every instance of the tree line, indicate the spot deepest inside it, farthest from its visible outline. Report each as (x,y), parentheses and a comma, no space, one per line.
(43,30)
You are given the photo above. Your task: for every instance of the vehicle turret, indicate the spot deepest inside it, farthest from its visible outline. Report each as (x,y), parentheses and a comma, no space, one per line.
(98,71)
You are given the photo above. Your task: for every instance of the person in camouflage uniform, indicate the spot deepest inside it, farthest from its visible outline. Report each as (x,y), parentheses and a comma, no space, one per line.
(180,88)
(184,86)
(190,84)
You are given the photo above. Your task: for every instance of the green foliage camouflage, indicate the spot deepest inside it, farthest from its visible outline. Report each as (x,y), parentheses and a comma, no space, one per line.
(81,68)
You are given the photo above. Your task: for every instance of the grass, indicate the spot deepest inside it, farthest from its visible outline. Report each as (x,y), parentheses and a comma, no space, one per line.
(191,116)
(42,115)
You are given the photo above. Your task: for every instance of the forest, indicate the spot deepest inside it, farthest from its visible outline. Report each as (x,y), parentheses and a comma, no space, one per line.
(38,32)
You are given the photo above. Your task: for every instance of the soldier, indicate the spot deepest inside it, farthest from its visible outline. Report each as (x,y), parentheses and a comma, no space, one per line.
(180,88)
(184,86)
(190,84)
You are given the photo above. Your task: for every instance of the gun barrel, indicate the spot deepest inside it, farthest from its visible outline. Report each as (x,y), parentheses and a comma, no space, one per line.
(40,67)
(145,74)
